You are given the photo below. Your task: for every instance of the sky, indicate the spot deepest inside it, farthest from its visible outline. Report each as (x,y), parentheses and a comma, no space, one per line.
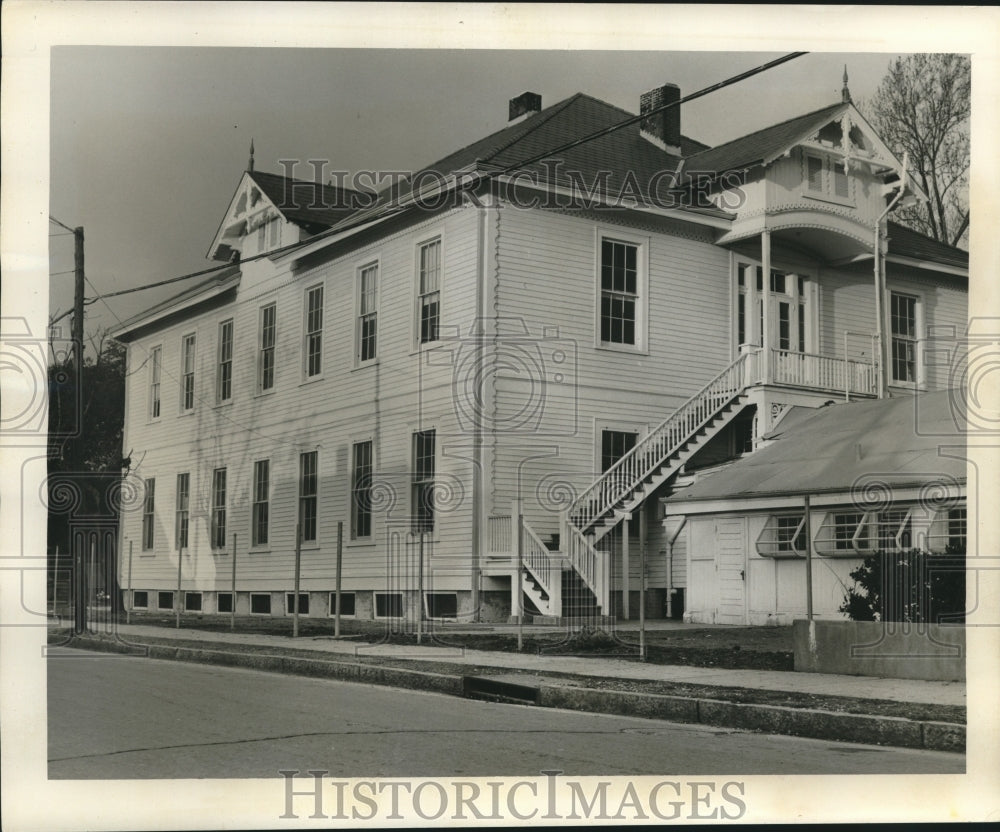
(147,144)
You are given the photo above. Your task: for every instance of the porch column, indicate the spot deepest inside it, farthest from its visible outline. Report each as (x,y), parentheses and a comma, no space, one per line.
(625,567)
(765,336)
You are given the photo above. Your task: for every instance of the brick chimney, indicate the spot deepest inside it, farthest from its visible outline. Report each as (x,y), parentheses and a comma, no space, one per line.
(662,129)
(524,105)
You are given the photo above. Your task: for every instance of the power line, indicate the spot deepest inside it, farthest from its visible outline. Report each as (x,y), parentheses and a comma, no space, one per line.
(391,209)
(61,224)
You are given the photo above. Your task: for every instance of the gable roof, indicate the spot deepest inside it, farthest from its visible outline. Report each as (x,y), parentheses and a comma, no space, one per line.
(757,147)
(837,447)
(310,204)
(626,156)
(909,243)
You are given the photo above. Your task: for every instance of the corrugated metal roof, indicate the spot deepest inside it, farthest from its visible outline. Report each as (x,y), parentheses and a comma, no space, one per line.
(839,446)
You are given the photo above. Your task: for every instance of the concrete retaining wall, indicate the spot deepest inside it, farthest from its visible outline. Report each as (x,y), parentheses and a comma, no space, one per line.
(872,648)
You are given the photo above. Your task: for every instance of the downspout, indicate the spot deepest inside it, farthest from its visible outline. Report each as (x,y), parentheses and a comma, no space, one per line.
(670,564)
(883,353)
(479,480)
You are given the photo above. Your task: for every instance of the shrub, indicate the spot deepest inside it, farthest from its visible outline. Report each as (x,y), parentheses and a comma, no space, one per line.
(913,586)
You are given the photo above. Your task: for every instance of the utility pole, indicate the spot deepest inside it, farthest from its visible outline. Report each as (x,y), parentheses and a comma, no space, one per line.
(78,301)
(80,611)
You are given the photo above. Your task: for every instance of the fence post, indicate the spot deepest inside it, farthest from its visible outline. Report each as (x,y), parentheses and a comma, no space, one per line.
(340,557)
(128,589)
(177,606)
(298,565)
(232,609)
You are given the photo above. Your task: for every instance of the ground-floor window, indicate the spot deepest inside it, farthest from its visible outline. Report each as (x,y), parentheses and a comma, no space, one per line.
(783,536)
(192,601)
(260,603)
(165,600)
(388,604)
(140,599)
(303,603)
(347,602)
(224,602)
(441,604)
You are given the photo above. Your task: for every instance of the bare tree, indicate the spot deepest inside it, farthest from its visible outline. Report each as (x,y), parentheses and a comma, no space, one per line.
(922,107)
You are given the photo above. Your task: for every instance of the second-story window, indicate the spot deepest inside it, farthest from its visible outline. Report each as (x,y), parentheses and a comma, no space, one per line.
(367,334)
(154,382)
(265,358)
(314,331)
(224,376)
(219,508)
(187,373)
(826,176)
(903,312)
(619,292)
(429,299)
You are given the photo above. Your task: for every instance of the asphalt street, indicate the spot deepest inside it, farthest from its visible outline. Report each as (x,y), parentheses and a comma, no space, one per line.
(115,717)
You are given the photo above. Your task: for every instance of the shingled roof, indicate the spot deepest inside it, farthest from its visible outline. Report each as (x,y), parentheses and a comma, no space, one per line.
(755,148)
(909,243)
(309,204)
(632,162)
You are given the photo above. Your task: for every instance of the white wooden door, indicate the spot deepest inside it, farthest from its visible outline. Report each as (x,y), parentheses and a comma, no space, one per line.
(730,535)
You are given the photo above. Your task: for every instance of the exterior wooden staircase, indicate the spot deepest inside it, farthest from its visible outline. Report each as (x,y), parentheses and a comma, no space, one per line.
(575,582)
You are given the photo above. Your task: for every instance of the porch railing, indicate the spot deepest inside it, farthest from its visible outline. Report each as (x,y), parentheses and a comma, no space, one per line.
(801,369)
(590,564)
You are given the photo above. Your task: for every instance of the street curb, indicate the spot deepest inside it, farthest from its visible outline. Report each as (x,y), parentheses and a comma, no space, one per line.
(770,719)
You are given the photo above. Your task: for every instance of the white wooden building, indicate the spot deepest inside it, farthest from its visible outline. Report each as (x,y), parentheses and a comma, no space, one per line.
(559,332)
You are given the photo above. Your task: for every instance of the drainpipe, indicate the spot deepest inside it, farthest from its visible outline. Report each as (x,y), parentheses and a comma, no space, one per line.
(883,386)
(670,563)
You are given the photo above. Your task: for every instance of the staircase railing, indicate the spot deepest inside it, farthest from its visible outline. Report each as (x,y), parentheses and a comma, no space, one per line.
(590,564)
(649,453)
(538,560)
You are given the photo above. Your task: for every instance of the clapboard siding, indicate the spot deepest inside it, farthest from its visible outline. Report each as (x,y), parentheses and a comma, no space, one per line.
(548,280)
(384,402)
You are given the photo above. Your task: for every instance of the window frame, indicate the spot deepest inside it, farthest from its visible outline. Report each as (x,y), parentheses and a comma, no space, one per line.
(773,542)
(361,317)
(357,490)
(189,594)
(217,529)
(309,335)
(866,534)
(267,353)
(270,606)
(256,502)
(135,604)
(831,163)
(332,605)
(641,298)
(422,481)
(300,512)
(402,605)
(149,515)
(303,601)
(218,602)
(913,341)
(188,357)
(182,511)
(155,404)
(159,599)
(436,239)
(224,381)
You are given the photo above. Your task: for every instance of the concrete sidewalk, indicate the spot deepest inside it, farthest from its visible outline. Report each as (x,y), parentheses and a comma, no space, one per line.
(860,687)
